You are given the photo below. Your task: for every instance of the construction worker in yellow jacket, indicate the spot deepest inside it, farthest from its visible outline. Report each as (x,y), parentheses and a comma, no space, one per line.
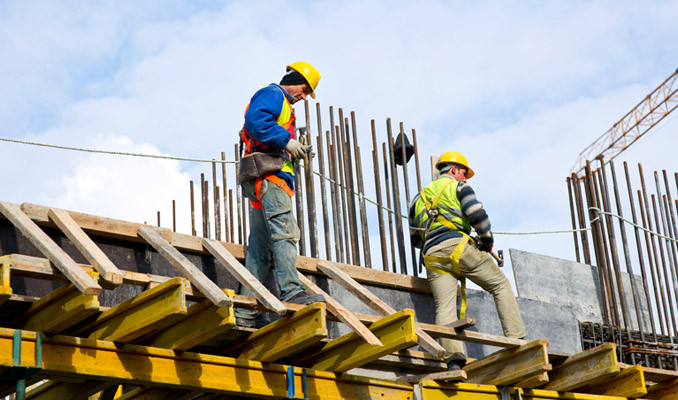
(441,218)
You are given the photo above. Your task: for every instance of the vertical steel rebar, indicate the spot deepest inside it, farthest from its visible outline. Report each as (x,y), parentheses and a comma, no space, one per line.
(361,195)
(388,205)
(665,229)
(609,282)
(203,209)
(582,219)
(227,238)
(406,182)
(377,188)
(298,198)
(574,222)
(396,201)
(174,216)
(672,315)
(672,222)
(416,159)
(350,187)
(237,196)
(323,191)
(158,218)
(641,260)
(206,215)
(339,209)
(193,231)
(336,204)
(217,215)
(342,186)
(597,243)
(230,214)
(310,188)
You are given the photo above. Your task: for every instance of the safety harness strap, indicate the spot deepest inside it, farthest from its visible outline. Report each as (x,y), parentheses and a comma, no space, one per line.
(454,257)
(276,180)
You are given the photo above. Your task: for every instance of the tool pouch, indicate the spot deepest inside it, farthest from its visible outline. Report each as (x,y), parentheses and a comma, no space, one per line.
(257,164)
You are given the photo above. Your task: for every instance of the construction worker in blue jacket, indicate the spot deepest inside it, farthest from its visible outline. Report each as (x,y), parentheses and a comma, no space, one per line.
(269,128)
(440,219)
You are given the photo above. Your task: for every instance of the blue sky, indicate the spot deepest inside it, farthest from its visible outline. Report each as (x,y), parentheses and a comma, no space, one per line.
(520,89)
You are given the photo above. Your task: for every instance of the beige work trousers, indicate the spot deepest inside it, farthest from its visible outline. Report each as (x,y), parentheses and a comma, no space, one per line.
(479,267)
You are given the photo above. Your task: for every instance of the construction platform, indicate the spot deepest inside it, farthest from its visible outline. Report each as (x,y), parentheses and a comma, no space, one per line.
(96,308)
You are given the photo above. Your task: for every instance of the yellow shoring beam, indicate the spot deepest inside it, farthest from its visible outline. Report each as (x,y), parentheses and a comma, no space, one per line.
(395,331)
(61,309)
(432,390)
(5,287)
(667,390)
(509,366)
(630,382)
(149,311)
(288,335)
(202,322)
(586,368)
(65,357)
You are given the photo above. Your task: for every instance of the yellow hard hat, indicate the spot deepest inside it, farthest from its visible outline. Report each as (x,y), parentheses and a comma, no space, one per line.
(309,72)
(457,158)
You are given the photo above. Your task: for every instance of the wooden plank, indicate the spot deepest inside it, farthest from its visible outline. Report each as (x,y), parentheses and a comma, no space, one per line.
(5,287)
(655,375)
(183,265)
(509,366)
(667,390)
(341,312)
(62,308)
(586,368)
(69,357)
(630,382)
(378,305)
(107,270)
(141,315)
(349,351)
(202,322)
(444,376)
(46,245)
(244,276)
(287,336)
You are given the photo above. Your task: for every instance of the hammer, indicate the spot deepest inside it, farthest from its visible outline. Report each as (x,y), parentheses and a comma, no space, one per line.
(499,258)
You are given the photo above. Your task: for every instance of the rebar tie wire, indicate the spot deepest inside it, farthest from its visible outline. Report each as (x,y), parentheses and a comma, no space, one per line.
(360,195)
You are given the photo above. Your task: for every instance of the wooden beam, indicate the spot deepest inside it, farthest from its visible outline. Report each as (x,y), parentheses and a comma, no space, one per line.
(183,265)
(244,276)
(586,368)
(5,287)
(66,357)
(62,308)
(667,390)
(349,351)
(50,390)
(141,315)
(343,314)
(286,336)
(509,366)
(202,322)
(46,245)
(107,270)
(444,376)
(378,305)
(630,382)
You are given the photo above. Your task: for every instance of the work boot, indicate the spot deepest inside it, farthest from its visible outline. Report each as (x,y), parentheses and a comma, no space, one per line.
(305,298)
(456,365)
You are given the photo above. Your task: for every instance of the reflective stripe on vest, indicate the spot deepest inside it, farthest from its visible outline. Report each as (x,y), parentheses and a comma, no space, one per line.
(430,215)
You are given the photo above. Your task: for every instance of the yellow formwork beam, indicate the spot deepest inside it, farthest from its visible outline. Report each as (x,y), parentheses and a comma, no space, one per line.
(586,368)
(630,382)
(288,335)
(667,390)
(509,366)
(53,390)
(5,287)
(203,321)
(61,309)
(432,390)
(147,312)
(65,357)
(396,332)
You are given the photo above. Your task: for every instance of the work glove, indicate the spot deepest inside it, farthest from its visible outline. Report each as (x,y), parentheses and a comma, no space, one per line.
(486,244)
(296,149)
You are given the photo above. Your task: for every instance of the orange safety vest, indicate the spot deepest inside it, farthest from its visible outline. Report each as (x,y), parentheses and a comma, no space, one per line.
(286,120)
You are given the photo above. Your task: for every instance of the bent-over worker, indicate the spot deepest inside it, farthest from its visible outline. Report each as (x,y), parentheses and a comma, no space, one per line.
(270,129)
(441,218)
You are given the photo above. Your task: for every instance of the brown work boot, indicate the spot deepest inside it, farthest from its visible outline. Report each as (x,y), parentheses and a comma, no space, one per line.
(305,298)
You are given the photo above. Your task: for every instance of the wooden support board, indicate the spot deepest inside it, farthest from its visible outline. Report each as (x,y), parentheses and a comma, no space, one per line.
(586,368)
(141,315)
(378,305)
(245,277)
(444,376)
(183,265)
(349,351)
(66,357)
(62,308)
(286,336)
(46,245)
(107,270)
(509,366)
(202,322)
(341,312)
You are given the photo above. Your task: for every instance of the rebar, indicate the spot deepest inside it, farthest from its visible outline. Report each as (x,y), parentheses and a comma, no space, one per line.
(396,201)
(310,188)
(388,205)
(193,232)
(380,207)
(323,191)
(361,195)
(227,238)
(574,222)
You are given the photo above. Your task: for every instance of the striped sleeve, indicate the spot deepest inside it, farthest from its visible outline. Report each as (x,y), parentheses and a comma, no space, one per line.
(474,211)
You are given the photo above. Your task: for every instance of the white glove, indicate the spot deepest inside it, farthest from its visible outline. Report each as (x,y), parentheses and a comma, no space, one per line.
(296,149)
